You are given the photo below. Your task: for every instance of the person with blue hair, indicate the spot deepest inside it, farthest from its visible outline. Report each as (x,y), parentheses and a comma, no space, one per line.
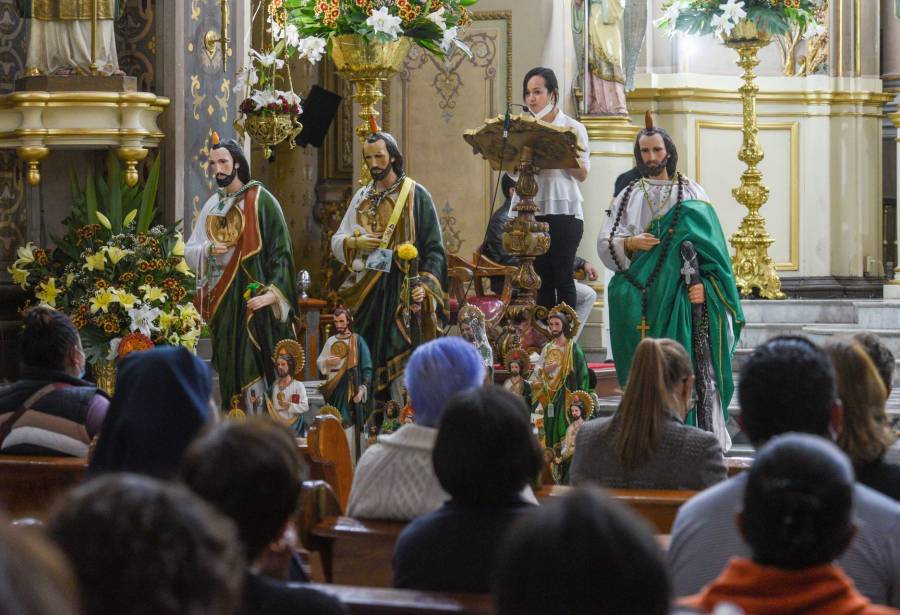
(394,478)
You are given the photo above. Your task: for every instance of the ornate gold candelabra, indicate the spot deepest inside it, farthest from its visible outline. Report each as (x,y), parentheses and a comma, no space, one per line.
(753,268)
(365,64)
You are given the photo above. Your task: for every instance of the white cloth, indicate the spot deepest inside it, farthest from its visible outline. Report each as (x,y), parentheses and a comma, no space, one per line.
(348,225)
(585,297)
(66,44)
(558,192)
(293,409)
(198,257)
(639,214)
(395,479)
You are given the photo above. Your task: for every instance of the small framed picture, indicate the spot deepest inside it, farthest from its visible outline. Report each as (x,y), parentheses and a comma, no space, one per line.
(380,260)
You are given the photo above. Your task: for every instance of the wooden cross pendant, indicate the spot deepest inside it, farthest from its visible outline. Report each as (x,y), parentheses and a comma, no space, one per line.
(643,327)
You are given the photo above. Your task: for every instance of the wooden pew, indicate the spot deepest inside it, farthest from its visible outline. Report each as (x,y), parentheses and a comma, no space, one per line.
(359,551)
(736,465)
(327,455)
(381,601)
(30,484)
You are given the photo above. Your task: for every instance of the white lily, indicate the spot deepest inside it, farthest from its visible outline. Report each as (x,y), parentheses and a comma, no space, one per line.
(246,78)
(734,10)
(813,30)
(312,48)
(437,17)
(722,24)
(25,254)
(143,317)
(382,21)
(262,98)
(267,59)
(447,40)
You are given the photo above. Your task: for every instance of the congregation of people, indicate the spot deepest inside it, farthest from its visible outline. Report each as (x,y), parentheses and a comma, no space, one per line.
(182,511)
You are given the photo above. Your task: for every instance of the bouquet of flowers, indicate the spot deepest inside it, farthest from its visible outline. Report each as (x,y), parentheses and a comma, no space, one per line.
(721,16)
(124,284)
(432,24)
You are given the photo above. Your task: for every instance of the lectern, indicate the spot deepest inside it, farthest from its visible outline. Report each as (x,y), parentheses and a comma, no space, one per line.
(531,146)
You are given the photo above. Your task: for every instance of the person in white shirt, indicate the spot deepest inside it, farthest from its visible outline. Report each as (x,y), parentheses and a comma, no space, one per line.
(559,196)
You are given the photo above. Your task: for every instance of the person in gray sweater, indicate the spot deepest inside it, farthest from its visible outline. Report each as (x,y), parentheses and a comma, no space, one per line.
(646,444)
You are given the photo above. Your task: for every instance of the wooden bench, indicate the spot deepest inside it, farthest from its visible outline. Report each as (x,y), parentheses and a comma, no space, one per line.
(30,484)
(381,601)
(327,455)
(736,465)
(359,551)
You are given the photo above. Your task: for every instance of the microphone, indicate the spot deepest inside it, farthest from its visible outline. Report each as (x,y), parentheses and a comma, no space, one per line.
(507,120)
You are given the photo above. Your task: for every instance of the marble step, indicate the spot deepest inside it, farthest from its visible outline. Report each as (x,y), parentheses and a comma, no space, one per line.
(822,333)
(880,315)
(805,311)
(756,333)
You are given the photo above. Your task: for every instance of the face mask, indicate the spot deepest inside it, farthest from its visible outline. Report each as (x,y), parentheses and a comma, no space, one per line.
(545,111)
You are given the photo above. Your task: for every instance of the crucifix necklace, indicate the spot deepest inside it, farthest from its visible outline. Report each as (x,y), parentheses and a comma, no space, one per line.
(664,246)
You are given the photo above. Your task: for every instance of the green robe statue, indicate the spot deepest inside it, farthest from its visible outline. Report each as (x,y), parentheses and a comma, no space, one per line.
(377,299)
(262,259)
(668,307)
(344,381)
(563,371)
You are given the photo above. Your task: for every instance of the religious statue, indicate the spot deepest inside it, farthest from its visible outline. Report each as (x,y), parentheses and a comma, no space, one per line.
(615,34)
(347,366)
(241,250)
(397,303)
(472,328)
(580,407)
(391,421)
(562,369)
(407,416)
(288,401)
(641,242)
(59,39)
(518,366)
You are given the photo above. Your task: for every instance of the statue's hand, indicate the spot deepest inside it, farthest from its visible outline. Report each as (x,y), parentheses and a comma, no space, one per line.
(642,242)
(697,294)
(418,294)
(267,298)
(333,361)
(218,249)
(367,243)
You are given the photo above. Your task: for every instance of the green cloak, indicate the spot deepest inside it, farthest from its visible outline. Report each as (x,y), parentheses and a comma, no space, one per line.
(377,300)
(668,307)
(243,341)
(358,371)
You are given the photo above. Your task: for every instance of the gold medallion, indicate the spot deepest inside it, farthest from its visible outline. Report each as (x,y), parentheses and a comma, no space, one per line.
(226,229)
(339,349)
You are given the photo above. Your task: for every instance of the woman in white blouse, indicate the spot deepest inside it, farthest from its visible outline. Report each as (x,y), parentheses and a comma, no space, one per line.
(558,197)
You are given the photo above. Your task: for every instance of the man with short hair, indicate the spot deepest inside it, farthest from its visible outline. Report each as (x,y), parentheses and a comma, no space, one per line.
(251,472)
(241,251)
(51,410)
(390,211)
(787,385)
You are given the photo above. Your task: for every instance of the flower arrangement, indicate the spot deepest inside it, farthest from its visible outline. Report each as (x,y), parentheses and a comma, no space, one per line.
(433,24)
(124,284)
(775,17)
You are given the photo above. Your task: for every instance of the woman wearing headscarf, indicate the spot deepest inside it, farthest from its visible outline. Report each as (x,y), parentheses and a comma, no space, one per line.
(161,401)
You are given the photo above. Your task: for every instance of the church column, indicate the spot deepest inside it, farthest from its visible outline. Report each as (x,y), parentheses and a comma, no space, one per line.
(892,288)
(890,76)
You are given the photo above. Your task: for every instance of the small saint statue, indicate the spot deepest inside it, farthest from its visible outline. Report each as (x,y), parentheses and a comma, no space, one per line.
(59,39)
(472,327)
(391,421)
(288,401)
(518,366)
(580,408)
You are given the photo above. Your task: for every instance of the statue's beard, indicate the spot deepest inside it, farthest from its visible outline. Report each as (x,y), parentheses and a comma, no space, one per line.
(224,182)
(652,170)
(555,334)
(379,174)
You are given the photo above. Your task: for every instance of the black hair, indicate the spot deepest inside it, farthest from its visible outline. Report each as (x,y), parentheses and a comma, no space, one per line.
(237,156)
(787,384)
(346,312)
(564,318)
(485,451)
(671,151)
(147,547)
(880,354)
(507,184)
(550,552)
(797,503)
(393,149)
(251,472)
(550,82)
(47,338)
(290,360)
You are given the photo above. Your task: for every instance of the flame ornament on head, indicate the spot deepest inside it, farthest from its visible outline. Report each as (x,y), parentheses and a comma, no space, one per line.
(215,138)
(373,125)
(648,120)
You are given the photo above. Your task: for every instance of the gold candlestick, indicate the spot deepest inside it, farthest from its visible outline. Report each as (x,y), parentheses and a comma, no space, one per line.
(753,268)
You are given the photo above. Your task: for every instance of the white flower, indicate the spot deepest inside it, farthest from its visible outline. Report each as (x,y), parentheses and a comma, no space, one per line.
(262,98)
(733,9)
(813,30)
(247,78)
(142,318)
(291,33)
(447,40)
(722,24)
(382,21)
(267,59)
(290,96)
(437,17)
(312,48)
(113,349)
